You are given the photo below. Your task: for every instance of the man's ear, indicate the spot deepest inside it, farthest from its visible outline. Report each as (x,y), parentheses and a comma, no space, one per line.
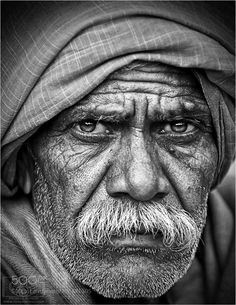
(25,170)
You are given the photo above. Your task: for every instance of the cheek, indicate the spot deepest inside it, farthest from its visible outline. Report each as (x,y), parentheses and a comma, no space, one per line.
(191,171)
(74,171)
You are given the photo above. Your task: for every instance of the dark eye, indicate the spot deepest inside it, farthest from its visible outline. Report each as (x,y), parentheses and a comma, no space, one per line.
(91,126)
(178,127)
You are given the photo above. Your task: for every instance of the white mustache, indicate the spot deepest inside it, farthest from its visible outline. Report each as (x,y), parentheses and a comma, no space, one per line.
(96,224)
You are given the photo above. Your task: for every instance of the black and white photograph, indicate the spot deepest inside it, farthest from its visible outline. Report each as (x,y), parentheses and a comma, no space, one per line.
(117,152)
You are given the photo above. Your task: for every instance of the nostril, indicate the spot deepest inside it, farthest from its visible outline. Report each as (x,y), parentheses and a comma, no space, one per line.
(160,195)
(118,194)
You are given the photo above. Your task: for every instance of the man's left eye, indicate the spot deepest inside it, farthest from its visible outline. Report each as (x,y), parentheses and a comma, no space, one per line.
(91,126)
(177,127)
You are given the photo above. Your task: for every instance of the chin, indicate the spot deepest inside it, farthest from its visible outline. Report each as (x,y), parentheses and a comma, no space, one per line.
(132,274)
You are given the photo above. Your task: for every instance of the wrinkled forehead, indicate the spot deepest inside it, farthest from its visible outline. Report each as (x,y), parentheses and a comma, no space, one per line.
(149,78)
(139,73)
(155,85)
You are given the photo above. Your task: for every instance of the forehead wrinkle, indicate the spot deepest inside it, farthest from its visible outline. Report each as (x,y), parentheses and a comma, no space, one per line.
(126,105)
(144,86)
(164,106)
(167,78)
(108,104)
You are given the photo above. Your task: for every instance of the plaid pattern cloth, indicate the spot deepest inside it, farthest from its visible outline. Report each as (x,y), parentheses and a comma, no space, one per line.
(26,253)
(55,53)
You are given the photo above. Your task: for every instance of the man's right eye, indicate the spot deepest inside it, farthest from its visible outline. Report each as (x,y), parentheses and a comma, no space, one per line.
(91,127)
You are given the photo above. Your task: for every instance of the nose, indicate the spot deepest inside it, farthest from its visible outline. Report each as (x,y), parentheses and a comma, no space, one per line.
(137,173)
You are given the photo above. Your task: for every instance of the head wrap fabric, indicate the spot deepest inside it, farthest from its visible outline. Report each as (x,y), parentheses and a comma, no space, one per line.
(56,53)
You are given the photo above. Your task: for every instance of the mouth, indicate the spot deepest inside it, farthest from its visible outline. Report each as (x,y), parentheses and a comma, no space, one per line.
(139,240)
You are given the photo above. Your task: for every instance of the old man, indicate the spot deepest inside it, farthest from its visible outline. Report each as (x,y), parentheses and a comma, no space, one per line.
(117,123)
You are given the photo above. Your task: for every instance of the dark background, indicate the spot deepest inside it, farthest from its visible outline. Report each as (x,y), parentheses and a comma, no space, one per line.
(226,8)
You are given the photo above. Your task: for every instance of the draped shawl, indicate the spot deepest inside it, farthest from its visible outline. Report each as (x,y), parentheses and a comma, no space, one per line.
(56,53)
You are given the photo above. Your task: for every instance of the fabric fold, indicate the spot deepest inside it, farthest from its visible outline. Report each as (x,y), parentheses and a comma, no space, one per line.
(25,249)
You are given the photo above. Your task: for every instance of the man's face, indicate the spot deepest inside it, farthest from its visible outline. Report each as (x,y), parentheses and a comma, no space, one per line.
(122,178)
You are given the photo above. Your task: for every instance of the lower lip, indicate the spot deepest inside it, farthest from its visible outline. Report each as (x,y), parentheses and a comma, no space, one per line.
(139,241)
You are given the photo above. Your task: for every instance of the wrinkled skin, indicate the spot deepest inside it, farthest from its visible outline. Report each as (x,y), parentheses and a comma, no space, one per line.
(152,140)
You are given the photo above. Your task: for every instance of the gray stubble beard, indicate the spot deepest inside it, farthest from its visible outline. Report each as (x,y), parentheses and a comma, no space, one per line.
(111,274)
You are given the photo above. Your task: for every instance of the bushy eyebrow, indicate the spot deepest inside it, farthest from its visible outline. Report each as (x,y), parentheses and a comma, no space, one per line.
(81,113)
(86,113)
(183,112)
(182,106)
